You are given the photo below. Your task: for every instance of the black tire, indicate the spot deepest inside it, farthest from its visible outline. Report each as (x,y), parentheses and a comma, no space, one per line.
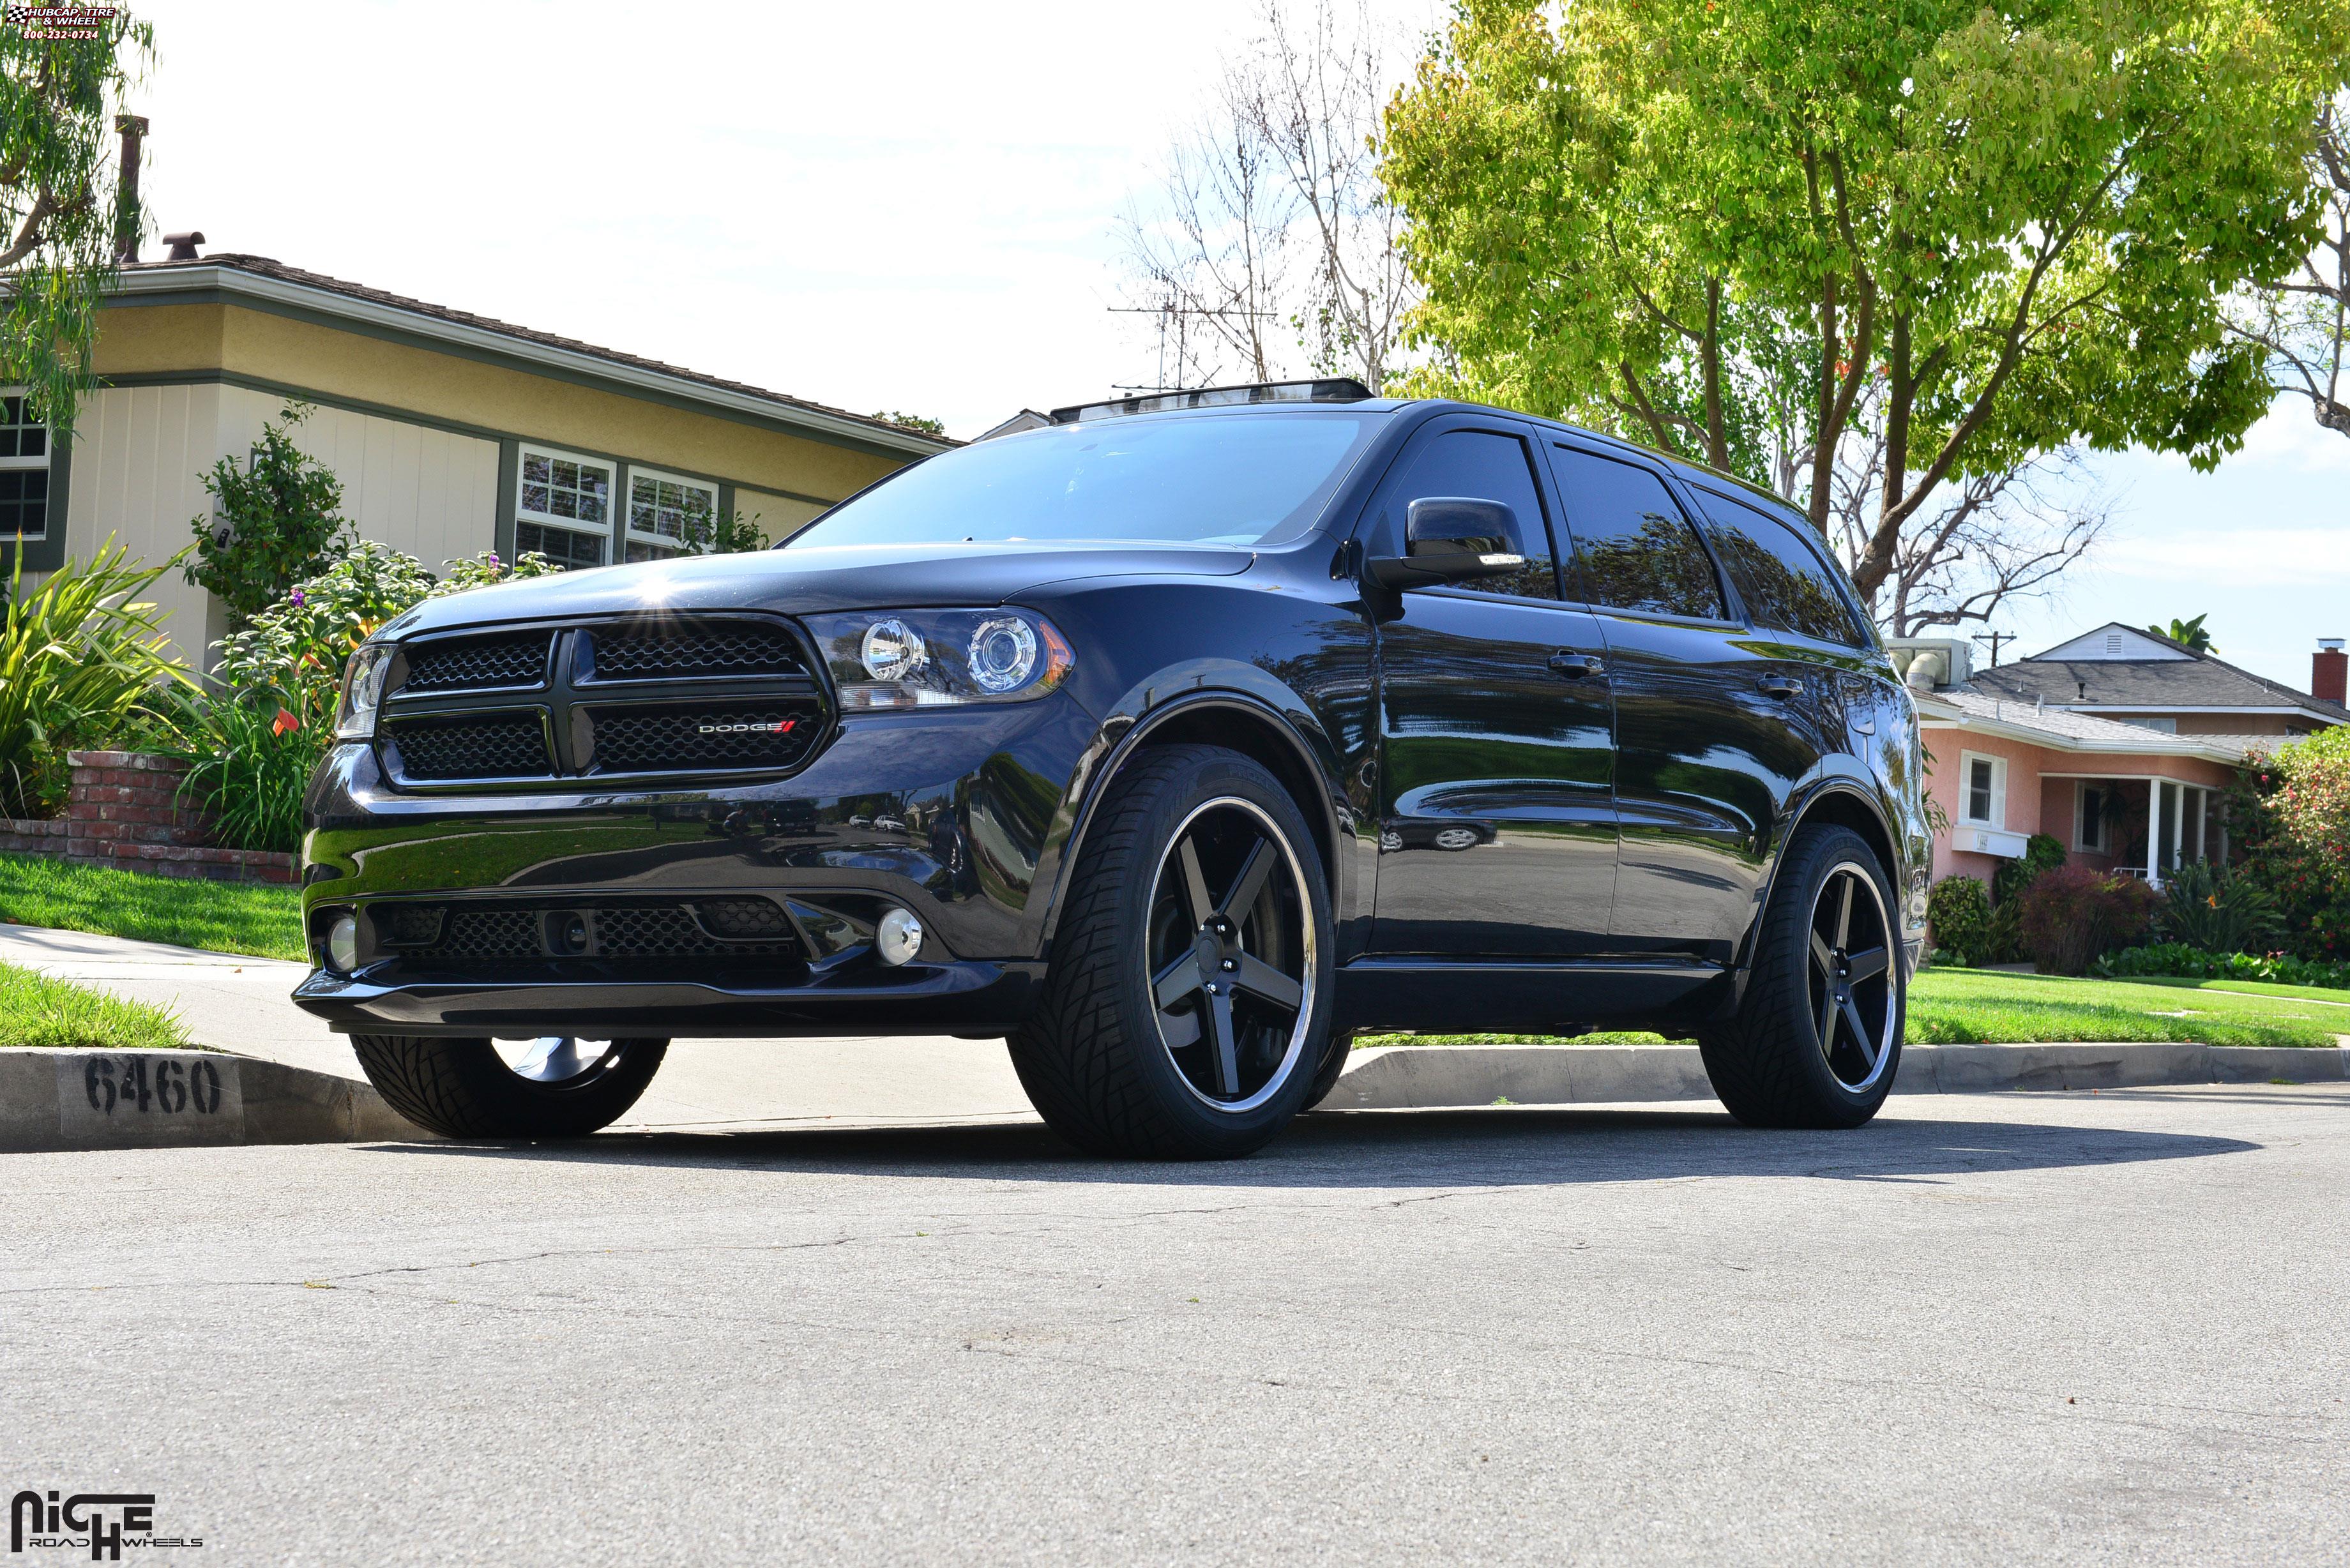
(1101,1062)
(1769,1064)
(463,1088)
(1335,1057)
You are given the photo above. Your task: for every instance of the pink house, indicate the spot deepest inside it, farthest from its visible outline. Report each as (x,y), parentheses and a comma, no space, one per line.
(2119,743)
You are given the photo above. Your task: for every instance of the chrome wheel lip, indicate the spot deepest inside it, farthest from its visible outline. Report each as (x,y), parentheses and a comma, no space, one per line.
(1847,873)
(556,1061)
(1309,949)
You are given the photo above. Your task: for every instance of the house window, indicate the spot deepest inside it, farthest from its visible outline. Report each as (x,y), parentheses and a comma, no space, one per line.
(23,471)
(2089,831)
(1984,790)
(667,513)
(564,511)
(2160,726)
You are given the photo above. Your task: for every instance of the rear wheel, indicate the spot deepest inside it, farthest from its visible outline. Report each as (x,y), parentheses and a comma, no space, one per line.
(555,1087)
(1817,1040)
(1186,1005)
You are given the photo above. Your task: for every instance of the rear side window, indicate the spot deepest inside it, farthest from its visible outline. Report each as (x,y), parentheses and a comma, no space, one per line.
(1780,576)
(1635,549)
(1483,466)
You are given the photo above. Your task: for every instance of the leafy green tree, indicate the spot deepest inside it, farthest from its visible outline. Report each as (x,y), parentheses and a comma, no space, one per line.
(60,223)
(913,423)
(2016,231)
(2189,632)
(276,519)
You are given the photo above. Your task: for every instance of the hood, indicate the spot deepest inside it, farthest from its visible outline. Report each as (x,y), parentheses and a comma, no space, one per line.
(808,581)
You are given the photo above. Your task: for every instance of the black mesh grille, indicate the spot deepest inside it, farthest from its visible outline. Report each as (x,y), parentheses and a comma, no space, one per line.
(498,745)
(746,928)
(409,925)
(675,740)
(492,933)
(743,918)
(476,663)
(712,649)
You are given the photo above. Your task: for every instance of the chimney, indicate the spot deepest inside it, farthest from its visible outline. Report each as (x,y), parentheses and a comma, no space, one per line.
(133,129)
(183,246)
(2328,667)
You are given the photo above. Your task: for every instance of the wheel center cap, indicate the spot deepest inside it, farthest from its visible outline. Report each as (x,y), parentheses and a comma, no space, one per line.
(1216,945)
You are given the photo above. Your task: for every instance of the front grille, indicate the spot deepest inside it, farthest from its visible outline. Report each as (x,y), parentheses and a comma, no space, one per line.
(693,651)
(644,739)
(713,927)
(506,745)
(478,663)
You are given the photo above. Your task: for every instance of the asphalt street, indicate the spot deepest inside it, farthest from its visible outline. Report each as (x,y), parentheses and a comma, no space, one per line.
(1988,1328)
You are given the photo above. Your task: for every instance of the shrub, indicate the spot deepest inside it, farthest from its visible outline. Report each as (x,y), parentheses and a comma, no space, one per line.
(2073,915)
(275,521)
(2293,813)
(2219,911)
(2181,961)
(2041,853)
(80,658)
(1958,913)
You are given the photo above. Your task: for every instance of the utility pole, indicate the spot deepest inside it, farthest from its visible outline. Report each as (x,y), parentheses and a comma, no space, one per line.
(1996,638)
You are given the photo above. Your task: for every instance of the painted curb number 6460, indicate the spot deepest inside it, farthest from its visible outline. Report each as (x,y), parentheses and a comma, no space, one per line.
(166,1085)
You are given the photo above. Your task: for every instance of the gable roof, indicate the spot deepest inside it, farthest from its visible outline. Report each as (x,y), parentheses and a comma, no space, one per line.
(2062,729)
(2161,674)
(264,282)
(2113,640)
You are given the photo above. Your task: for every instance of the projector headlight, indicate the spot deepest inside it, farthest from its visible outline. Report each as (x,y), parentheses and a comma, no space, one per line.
(927,659)
(362,691)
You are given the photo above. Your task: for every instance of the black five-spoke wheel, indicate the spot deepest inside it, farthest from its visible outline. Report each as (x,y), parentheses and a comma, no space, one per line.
(1231,955)
(1851,976)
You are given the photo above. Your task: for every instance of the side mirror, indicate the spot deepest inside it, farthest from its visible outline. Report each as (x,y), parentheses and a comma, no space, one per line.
(1452,539)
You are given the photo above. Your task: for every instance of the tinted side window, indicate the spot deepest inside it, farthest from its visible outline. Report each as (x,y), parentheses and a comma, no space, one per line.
(1634,547)
(1782,580)
(1483,466)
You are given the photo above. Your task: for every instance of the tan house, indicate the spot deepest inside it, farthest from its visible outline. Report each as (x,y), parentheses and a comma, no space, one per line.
(451,433)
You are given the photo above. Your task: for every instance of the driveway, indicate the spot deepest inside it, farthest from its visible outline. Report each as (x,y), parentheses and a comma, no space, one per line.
(1988,1328)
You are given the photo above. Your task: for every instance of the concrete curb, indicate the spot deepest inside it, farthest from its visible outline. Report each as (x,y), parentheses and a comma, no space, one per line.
(60,1100)
(1402,1078)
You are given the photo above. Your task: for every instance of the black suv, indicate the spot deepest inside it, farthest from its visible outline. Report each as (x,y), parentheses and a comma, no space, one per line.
(1175,743)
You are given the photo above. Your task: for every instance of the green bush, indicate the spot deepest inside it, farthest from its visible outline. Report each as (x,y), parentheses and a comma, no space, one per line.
(275,521)
(2179,960)
(80,660)
(2073,916)
(1958,914)
(2292,813)
(2219,911)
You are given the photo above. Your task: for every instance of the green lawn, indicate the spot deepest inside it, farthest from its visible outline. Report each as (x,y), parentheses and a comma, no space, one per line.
(2333,996)
(226,916)
(1958,1006)
(42,1013)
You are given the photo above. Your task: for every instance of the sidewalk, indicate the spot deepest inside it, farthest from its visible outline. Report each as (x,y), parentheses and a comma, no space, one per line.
(243,1005)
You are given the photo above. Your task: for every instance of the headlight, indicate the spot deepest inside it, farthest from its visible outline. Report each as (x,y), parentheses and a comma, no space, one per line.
(923,659)
(362,691)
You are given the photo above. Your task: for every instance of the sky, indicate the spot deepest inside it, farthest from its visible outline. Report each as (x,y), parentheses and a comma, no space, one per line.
(909,208)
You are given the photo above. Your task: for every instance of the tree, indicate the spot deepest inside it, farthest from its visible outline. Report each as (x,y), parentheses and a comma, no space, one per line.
(276,520)
(1271,244)
(2302,324)
(1964,239)
(2190,633)
(914,422)
(60,224)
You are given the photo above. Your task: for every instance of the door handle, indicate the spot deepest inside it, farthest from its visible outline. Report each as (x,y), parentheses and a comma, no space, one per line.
(1576,666)
(1780,686)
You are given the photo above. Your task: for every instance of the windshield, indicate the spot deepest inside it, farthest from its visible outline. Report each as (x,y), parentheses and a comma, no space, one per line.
(1243,479)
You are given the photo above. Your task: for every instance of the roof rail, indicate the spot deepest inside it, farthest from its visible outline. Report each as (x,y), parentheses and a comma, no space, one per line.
(1330,390)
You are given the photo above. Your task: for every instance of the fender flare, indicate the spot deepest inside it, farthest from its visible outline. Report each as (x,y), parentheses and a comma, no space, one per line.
(1801,807)
(1121,737)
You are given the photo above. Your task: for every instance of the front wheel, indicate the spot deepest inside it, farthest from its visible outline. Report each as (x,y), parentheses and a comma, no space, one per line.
(555,1087)
(1817,1039)
(1187,1002)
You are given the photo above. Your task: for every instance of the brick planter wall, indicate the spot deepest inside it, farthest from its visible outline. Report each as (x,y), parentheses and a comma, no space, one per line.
(123,809)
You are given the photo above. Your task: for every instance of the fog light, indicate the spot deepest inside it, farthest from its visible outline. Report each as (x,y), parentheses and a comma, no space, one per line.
(343,943)
(899,937)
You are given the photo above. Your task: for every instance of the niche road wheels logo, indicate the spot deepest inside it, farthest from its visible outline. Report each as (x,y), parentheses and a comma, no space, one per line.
(103,1521)
(785,728)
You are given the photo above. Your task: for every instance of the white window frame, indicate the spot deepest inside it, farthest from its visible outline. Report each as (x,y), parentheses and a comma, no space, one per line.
(2082,821)
(606,534)
(1997,817)
(663,542)
(41,465)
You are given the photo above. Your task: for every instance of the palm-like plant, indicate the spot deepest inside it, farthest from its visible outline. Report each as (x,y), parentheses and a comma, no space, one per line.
(2189,632)
(80,655)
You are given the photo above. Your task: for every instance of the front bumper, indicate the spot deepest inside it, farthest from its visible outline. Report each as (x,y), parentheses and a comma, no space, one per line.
(976,999)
